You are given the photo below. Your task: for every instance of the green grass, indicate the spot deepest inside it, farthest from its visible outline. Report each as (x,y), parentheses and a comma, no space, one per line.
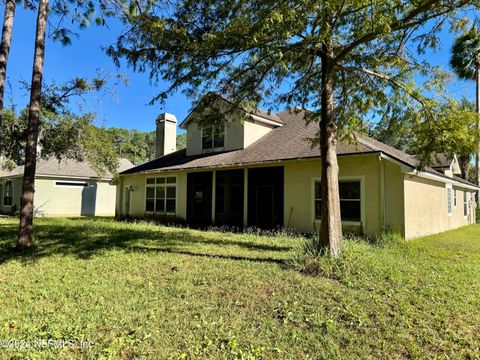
(147,291)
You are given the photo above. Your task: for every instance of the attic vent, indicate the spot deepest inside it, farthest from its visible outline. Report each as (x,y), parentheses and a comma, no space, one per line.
(70,184)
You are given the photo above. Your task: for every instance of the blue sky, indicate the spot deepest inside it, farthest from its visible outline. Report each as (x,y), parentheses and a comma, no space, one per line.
(129,107)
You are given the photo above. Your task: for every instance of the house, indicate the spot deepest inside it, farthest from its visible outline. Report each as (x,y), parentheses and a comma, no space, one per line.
(264,172)
(62,188)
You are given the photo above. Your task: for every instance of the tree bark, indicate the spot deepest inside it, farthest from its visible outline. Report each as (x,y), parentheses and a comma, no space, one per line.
(26,213)
(477,104)
(464,162)
(5,43)
(331,226)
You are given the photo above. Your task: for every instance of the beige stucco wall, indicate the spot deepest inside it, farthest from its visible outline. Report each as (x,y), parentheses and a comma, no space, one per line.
(51,200)
(299,177)
(238,135)
(254,130)
(409,205)
(393,202)
(138,184)
(426,202)
(299,192)
(233,138)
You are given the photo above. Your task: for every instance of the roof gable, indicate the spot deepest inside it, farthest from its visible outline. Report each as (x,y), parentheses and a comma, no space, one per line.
(258,114)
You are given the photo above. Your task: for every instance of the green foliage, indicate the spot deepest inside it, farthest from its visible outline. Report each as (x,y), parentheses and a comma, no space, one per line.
(99,150)
(134,145)
(137,146)
(465,57)
(181,141)
(477,215)
(139,290)
(451,129)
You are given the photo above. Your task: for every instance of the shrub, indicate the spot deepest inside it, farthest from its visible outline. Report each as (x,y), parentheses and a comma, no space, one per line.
(362,258)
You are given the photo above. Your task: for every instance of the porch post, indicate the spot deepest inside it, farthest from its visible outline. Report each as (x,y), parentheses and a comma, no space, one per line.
(214,193)
(245,197)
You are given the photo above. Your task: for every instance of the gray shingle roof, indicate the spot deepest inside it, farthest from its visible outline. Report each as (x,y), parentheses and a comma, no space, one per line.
(66,167)
(293,136)
(440,160)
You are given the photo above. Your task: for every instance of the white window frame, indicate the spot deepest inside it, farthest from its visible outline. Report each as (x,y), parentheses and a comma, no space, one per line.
(212,149)
(449,189)
(155,185)
(10,182)
(362,199)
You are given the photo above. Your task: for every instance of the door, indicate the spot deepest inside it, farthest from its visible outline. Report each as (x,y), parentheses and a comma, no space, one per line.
(229,186)
(199,198)
(266,199)
(128,201)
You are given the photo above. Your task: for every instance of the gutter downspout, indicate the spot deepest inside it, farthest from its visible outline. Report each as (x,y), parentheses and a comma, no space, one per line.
(382,195)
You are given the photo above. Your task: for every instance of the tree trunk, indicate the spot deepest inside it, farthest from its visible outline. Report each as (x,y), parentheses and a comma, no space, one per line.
(464,163)
(26,212)
(477,103)
(7,30)
(331,226)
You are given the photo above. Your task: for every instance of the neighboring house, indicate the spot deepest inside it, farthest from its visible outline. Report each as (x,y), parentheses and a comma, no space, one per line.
(263,172)
(65,188)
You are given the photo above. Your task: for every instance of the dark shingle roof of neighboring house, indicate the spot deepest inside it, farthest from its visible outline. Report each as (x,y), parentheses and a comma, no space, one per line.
(66,167)
(287,142)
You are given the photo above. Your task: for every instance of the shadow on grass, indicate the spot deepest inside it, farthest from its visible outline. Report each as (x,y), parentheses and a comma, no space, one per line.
(85,238)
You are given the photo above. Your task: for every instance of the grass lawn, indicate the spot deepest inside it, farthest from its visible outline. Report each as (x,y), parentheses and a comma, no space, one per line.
(141,290)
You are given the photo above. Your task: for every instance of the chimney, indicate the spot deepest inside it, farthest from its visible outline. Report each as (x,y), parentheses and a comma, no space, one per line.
(166,135)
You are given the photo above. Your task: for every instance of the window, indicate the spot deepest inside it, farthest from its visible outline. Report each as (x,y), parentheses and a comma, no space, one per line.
(8,194)
(213,138)
(161,195)
(455,198)
(350,200)
(465,204)
(449,200)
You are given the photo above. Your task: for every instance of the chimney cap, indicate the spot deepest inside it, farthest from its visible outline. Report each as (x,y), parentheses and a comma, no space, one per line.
(167,117)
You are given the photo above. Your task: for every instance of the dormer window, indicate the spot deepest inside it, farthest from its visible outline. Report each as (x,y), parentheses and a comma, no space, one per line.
(213,138)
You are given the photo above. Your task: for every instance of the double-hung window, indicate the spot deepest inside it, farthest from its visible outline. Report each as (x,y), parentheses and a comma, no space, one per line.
(350,200)
(213,138)
(161,195)
(8,194)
